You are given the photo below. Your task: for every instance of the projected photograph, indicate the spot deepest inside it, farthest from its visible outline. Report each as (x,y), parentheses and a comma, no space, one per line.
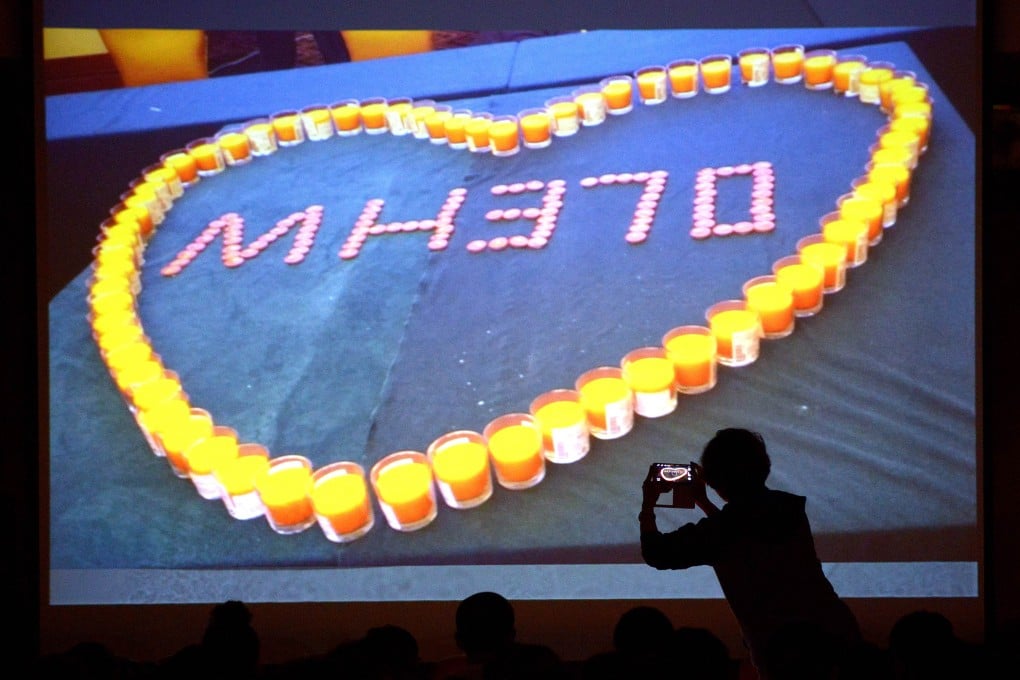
(415,326)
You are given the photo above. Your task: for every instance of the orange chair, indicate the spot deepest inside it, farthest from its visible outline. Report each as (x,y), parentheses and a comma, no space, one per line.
(374,44)
(148,56)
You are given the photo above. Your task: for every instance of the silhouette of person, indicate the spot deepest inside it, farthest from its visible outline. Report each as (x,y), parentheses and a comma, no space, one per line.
(702,654)
(485,631)
(924,645)
(760,546)
(229,648)
(643,636)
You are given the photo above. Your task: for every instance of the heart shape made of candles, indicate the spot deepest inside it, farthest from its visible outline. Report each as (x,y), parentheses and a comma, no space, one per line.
(145,379)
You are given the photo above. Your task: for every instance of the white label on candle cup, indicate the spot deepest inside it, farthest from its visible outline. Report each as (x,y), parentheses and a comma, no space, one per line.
(619,417)
(744,346)
(654,404)
(569,443)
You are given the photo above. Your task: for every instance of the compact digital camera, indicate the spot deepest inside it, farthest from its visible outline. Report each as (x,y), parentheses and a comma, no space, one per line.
(675,477)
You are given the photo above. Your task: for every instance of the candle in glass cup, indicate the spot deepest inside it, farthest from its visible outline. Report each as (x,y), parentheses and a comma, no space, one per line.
(261,136)
(692,349)
(147,395)
(341,502)
(652,84)
(773,303)
(404,487)
(866,209)
(882,192)
(515,444)
(755,66)
(901,139)
(892,173)
(914,125)
(608,401)
(165,175)
(373,115)
(591,105)
(888,87)
(829,257)
(788,63)
(504,135)
(455,129)
(160,418)
(683,78)
(871,79)
(205,456)
(460,463)
(536,128)
(346,116)
(737,330)
(177,434)
(566,116)
(421,110)
(435,124)
(564,423)
(818,69)
(477,131)
(846,74)
(806,283)
(236,147)
(397,111)
(852,235)
(716,73)
(208,157)
(619,94)
(317,122)
(891,155)
(285,489)
(236,478)
(183,163)
(651,376)
(288,128)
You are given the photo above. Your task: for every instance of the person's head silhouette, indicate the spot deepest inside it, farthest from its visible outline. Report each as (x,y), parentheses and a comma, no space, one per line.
(735,463)
(485,625)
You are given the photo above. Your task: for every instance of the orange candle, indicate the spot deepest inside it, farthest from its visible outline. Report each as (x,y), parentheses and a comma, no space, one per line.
(318,122)
(177,434)
(889,86)
(805,282)
(895,174)
(829,257)
(875,191)
(460,462)
(397,111)
(346,117)
(285,487)
(788,63)
(288,128)
(435,125)
(403,486)
(504,135)
(692,349)
(773,303)
(865,208)
(591,105)
(455,130)
(236,477)
(564,425)
(852,235)
(419,112)
(846,74)
(205,456)
(160,418)
(183,164)
(683,78)
(716,73)
(515,443)
(261,137)
(536,128)
(236,147)
(619,94)
(341,502)
(870,80)
(162,174)
(565,115)
(653,84)
(652,378)
(373,115)
(608,401)
(147,395)
(737,330)
(477,130)
(208,157)
(818,69)
(754,66)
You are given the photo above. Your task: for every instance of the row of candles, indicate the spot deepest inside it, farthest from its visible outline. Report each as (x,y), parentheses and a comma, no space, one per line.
(512,451)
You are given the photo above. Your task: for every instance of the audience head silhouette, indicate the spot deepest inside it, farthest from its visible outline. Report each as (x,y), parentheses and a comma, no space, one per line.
(735,463)
(485,625)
